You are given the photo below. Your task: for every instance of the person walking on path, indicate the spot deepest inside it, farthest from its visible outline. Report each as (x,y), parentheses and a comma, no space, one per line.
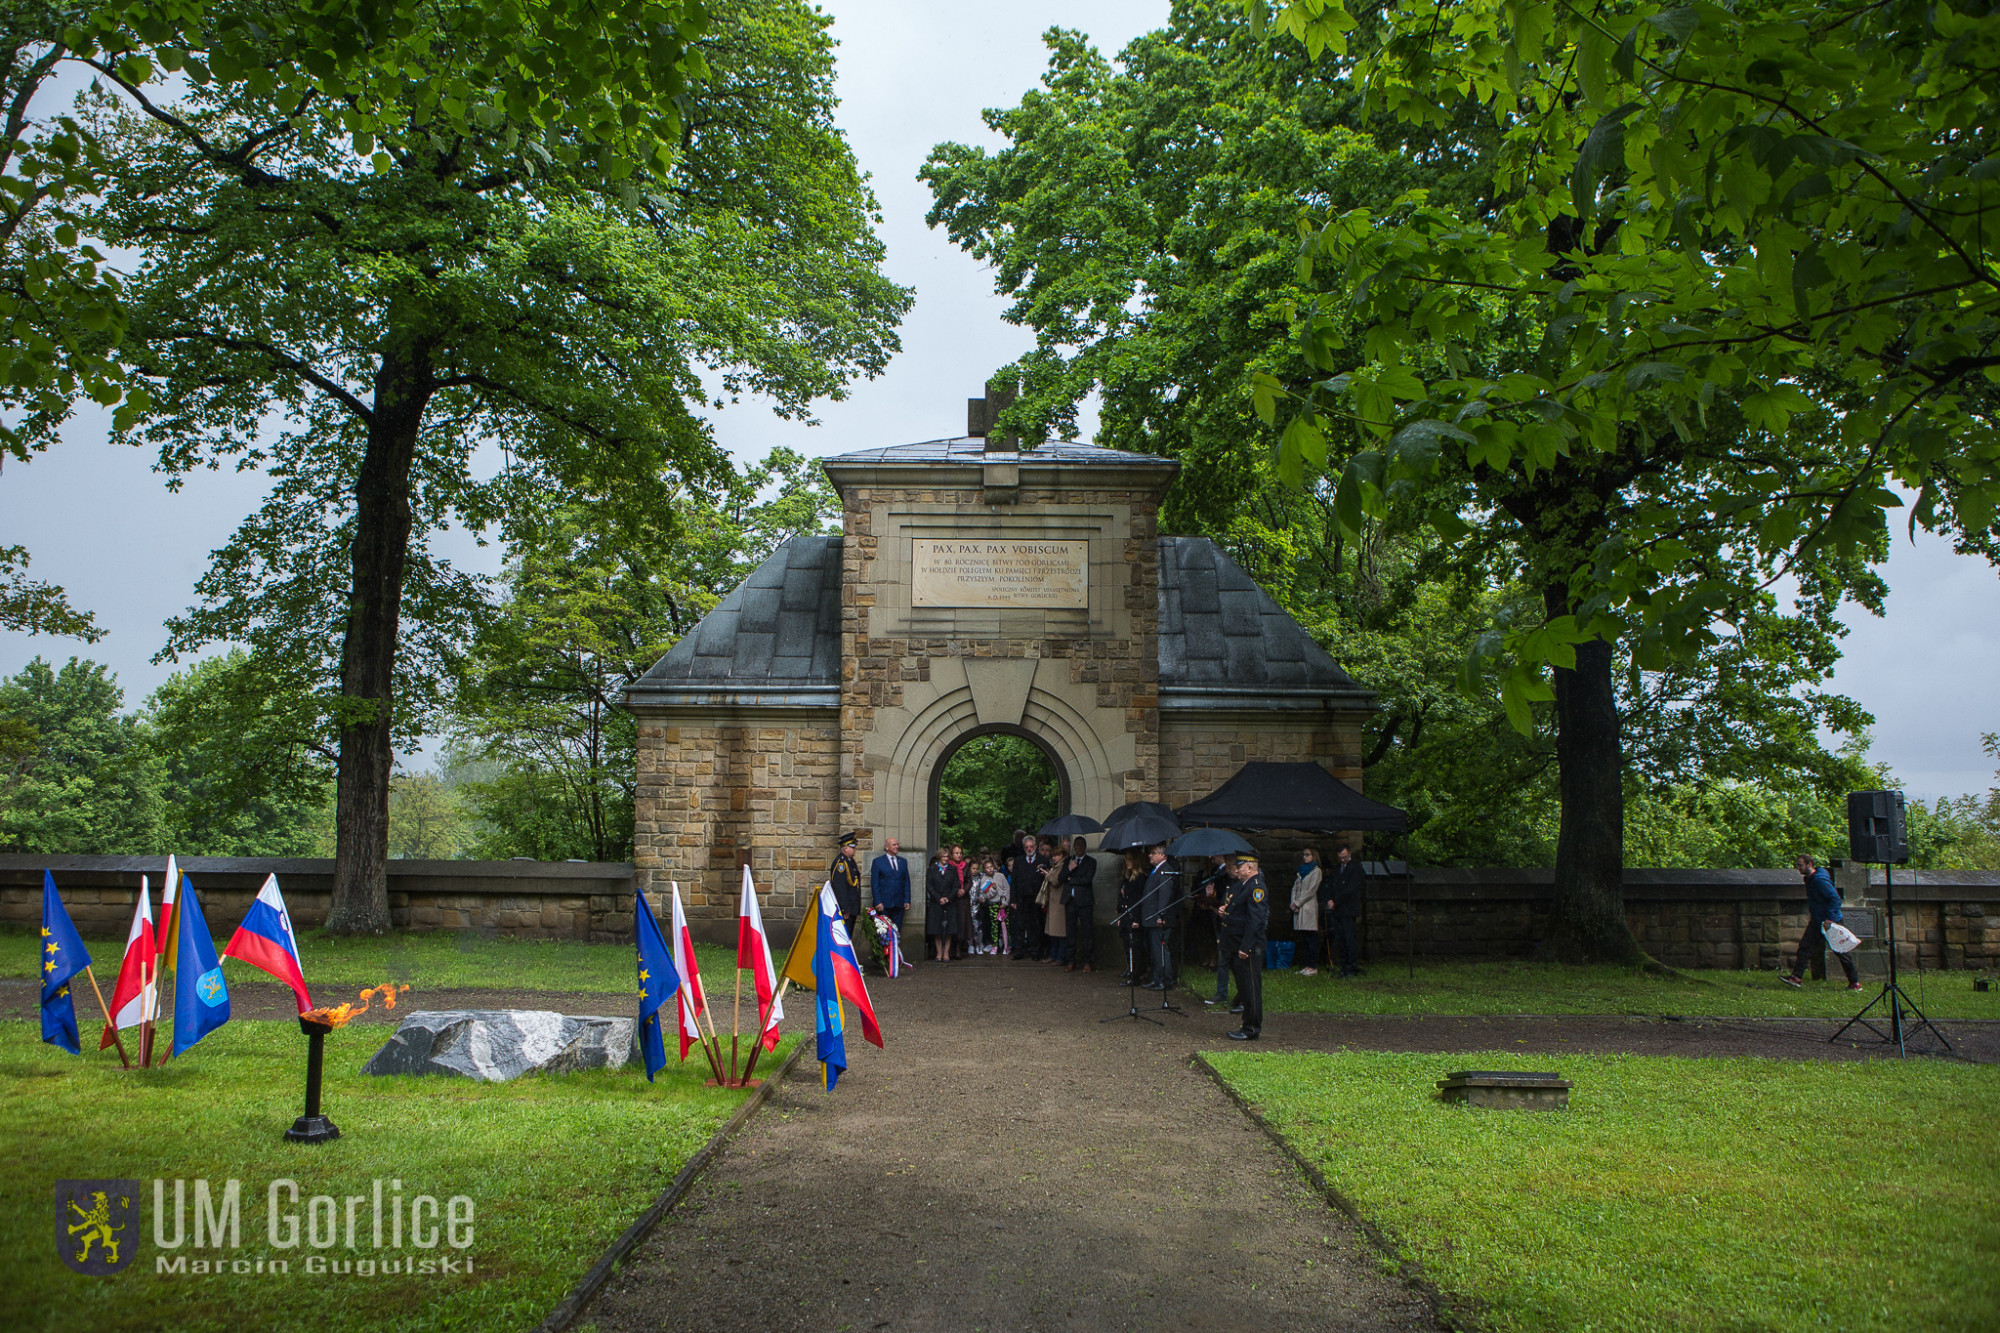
(845,876)
(1306,929)
(1344,901)
(1822,906)
(889,883)
(940,905)
(1156,901)
(1080,906)
(1024,880)
(1247,913)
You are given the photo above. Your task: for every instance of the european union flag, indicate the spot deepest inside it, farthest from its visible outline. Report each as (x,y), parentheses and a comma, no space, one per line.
(201,1000)
(63,956)
(659,981)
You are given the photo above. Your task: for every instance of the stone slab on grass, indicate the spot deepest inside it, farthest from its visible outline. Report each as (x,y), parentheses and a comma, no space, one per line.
(496,1045)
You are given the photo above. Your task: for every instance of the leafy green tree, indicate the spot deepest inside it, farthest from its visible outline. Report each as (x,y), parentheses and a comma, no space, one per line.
(1146,220)
(427,820)
(590,606)
(396,289)
(992,785)
(564,79)
(246,760)
(1959,832)
(81,778)
(1731,282)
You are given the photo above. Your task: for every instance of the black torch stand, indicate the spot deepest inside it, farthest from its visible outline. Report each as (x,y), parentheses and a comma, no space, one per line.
(312,1127)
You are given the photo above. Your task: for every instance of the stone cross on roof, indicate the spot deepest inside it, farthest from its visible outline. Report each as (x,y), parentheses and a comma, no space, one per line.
(981,413)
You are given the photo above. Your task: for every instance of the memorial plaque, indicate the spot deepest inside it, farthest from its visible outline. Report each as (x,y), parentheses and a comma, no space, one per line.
(1000,573)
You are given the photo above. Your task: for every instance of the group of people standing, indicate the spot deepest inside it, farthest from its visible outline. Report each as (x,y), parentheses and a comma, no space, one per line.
(1035,899)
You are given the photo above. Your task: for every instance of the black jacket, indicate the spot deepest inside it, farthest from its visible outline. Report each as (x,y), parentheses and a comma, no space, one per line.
(1024,877)
(1157,899)
(1080,880)
(846,877)
(1245,916)
(1346,893)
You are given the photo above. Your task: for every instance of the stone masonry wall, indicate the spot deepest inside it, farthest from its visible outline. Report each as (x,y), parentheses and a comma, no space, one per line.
(1116,672)
(711,794)
(1199,750)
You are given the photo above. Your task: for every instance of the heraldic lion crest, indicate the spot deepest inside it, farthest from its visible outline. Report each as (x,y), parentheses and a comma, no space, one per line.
(91,1218)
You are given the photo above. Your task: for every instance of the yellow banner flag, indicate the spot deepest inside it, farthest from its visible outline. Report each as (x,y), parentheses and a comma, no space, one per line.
(798,966)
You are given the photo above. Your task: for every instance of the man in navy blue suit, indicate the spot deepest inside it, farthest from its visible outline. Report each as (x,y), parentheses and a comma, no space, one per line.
(889,883)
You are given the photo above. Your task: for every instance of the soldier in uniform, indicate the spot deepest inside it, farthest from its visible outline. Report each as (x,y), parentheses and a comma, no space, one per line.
(845,876)
(1244,918)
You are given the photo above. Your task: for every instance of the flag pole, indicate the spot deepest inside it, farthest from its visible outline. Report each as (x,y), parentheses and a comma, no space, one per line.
(764,1021)
(115,1039)
(736,1010)
(687,994)
(146,988)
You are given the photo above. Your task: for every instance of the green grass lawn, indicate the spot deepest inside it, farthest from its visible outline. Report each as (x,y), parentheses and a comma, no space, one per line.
(1673,1193)
(556,1167)
(1547,988)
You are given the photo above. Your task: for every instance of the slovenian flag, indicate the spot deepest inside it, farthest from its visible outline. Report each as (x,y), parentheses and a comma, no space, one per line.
(753,951)
(132,999)
(837,977)
(201,998)
(691,1001)
(265,941)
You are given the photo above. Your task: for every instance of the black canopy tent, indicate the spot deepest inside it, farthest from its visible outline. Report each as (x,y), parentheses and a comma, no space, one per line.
(1295,796)
(1265,795)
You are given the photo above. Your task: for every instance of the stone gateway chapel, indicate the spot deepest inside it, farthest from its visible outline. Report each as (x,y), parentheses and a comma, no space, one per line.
(975,587)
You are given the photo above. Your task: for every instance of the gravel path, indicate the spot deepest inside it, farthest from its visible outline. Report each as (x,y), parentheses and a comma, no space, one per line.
(1007,1163)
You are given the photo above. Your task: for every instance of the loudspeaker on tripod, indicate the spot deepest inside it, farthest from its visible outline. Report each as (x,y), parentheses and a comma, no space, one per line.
(1875,828)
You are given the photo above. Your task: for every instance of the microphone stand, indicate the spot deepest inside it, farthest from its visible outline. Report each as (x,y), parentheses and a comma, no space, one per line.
(1132,971)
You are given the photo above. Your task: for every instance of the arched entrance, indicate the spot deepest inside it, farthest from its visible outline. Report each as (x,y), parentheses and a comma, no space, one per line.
(934,827)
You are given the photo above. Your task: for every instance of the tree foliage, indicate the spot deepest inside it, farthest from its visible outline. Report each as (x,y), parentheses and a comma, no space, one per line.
(992,785)
(589,607)
(398,291)
(78,776)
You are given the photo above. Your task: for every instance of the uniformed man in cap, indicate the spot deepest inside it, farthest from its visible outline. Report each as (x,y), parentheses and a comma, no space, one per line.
(1243,920)
(845,876)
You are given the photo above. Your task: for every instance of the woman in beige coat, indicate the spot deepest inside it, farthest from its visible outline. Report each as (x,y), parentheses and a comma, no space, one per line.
(1055,925)
(1305,913)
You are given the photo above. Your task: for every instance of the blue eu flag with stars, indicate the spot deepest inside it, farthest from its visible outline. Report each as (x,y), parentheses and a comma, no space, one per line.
(659,981)
(63,956)
(201,1001)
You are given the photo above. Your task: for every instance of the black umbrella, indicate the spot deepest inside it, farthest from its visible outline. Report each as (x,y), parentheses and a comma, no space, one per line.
(1070,826)
(1139,831)
(1208,842)
(1125,812)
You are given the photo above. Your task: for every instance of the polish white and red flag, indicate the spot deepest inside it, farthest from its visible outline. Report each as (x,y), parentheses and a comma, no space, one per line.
(266,942)
(132,998)
(170,887)
(753,951)
(690,1000)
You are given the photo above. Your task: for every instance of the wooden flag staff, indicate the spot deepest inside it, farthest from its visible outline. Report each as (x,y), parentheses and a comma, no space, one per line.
(107,1018)
(763,1021)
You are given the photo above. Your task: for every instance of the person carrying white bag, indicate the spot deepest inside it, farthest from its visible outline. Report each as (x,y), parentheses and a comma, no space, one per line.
(1822,912)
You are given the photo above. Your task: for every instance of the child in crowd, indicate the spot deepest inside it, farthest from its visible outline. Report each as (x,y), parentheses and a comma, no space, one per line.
(989,901)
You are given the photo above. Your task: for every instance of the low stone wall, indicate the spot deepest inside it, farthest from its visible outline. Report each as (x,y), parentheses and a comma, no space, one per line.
(1690,918)
(1685,918)
(542,900)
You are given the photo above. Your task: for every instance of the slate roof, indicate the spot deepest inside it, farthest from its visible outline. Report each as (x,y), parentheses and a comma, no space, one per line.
(1218,629)
(779,633)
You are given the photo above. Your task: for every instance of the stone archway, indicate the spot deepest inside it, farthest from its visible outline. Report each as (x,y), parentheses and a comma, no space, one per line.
(1063,806)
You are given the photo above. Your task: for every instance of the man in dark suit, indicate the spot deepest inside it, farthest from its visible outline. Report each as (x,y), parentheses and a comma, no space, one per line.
(1024,881)
(889,883)
(1344,898)
(1158,902)
(1080,903)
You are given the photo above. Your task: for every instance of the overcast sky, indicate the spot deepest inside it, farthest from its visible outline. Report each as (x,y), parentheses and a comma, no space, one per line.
(99,522)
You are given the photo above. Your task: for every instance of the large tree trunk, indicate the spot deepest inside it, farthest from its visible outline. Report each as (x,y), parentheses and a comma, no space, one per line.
(382,518)
(1588,920)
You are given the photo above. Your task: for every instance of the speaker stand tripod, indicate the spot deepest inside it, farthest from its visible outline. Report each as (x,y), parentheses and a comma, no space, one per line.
(1132,991)
(1897,997)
